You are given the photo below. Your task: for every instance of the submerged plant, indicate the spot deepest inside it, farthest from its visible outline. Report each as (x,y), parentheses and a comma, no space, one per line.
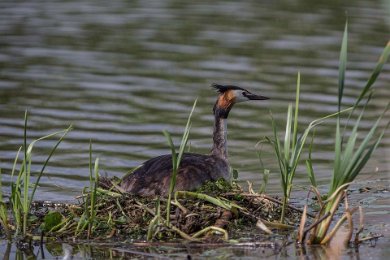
(350,155)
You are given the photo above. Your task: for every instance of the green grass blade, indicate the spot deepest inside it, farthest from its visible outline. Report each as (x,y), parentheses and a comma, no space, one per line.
(176,158)
(359,160)
(172,182)
(14,165)
(4,212)
(279,155)
(309,164)
(310,173)
(90,164)
(287,137)
(172,146)
(342,64)
(186,133)
(295,131)
(347,155)
(65,132)
(94,189)
(367,156)
(26,181)
(378,68)
(337,158)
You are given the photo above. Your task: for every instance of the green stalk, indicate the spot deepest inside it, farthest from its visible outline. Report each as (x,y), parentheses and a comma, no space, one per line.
(20,198)
(288,167)
(4,213)
(350,158)
(65,132)
(296,109)
(176,158)
(26,178)
(93,185)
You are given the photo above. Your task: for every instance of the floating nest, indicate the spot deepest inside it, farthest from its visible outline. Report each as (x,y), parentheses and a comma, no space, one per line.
(217,211)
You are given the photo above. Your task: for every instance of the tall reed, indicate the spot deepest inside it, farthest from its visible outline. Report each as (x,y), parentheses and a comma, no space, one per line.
(289,155)
(350,155)
(22,194)
(176,158)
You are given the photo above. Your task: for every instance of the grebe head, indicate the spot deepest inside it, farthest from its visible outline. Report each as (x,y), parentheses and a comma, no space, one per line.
(229,95)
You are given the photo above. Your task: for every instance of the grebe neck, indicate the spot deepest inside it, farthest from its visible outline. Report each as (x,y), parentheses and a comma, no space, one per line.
(220,132)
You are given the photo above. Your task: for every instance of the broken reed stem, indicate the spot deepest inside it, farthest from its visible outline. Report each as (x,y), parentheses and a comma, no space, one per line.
(361,225)
(315,224)
(263,196)
(346,216)
(212,228)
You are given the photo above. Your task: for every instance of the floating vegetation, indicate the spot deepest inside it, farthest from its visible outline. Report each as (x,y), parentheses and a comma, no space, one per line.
(193,216)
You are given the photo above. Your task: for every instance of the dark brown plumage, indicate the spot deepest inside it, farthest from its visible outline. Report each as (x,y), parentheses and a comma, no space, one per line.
(153,177)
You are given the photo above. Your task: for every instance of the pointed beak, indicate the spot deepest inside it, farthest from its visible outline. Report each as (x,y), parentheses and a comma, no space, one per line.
(251,96)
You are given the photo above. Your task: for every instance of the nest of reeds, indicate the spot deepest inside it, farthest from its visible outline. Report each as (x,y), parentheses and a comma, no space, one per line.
(217,211)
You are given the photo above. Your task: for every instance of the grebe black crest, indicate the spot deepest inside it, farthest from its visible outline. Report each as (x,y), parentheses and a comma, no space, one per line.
(153,176)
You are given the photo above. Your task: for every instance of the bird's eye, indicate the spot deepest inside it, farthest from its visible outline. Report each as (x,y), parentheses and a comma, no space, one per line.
(244,93)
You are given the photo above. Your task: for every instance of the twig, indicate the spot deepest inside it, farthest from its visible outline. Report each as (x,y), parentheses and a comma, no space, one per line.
(273,200)
(370,238)
(361,225)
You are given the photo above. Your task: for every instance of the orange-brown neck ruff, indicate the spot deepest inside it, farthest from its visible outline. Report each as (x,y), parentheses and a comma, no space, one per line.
(224,103)
(226,100)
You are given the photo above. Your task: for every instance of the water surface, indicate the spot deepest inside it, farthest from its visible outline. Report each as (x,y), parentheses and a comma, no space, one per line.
(121,72)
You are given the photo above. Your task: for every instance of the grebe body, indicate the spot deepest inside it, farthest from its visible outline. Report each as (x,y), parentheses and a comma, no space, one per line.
(153,176)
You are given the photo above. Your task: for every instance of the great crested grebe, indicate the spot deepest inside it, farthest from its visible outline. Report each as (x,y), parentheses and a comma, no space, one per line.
(153,176)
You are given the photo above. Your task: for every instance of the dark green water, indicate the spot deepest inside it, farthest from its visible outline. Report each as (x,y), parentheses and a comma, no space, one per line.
(121,72)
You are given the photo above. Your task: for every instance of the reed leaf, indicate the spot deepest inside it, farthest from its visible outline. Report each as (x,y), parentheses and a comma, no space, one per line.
(374,75)
(342,64)
(296,110)
(4,212)
(287,137)
(351,157)
(21,193)
(288,157)
(176,158)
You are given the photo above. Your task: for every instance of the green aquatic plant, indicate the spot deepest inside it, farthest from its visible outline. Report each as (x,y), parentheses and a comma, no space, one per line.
(350,155)
(88,218)
(23,190)
(176,157)
(4,213)
(93,185)
(288,156)
(289,152)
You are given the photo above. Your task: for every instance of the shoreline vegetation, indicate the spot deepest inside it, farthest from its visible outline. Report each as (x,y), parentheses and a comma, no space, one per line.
(219,211)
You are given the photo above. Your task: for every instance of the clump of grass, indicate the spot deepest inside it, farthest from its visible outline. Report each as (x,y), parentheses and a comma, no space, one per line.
(4,213)
(23,190)
(350,155)
(88,218)
(289,154)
